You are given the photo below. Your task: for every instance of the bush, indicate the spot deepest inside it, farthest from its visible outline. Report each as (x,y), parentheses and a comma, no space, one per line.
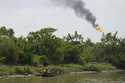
(105,66)
(19,70)
(43,58)
(23,70)
(72,67)
(2,59)
(27,70)
(91,67)
(98,67)
(37,59)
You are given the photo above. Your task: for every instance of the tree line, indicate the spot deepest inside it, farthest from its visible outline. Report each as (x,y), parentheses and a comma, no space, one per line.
(43,45)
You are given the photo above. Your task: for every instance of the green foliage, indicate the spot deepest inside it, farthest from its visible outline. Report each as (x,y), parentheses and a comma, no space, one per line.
(23,70)
(74,38)
(43,45)
(72,54)
(38,60)
(6,32)
(91,67)
(110,50)
(2,59)
(98,67)
(43,58)
(73,66)
(9,51)
(86,55)
(19,70)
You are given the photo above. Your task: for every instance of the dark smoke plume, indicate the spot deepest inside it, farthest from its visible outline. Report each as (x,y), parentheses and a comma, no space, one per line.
(79,8)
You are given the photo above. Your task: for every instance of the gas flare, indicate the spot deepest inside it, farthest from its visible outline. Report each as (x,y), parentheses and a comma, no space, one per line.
(99,28)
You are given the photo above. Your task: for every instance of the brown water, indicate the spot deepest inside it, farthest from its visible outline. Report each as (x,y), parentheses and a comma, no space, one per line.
(107,77)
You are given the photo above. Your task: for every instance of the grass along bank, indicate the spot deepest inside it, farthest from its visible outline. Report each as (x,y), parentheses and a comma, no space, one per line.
(55,69)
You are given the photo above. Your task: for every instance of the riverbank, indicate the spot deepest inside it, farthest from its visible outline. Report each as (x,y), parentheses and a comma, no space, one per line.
(73,77)
(6,70)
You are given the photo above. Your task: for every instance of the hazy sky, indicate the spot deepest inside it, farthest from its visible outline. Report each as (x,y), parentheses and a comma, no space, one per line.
(31,15)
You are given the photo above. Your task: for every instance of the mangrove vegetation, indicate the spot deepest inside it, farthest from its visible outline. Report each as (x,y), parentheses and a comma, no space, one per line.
(71,51)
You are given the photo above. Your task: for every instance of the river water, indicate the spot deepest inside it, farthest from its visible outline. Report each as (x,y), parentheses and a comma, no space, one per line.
(105,77)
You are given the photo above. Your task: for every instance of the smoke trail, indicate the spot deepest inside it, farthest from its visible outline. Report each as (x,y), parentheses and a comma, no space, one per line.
(79,8)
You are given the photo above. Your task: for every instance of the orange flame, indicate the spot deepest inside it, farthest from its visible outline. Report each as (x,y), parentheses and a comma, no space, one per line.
(99,28)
